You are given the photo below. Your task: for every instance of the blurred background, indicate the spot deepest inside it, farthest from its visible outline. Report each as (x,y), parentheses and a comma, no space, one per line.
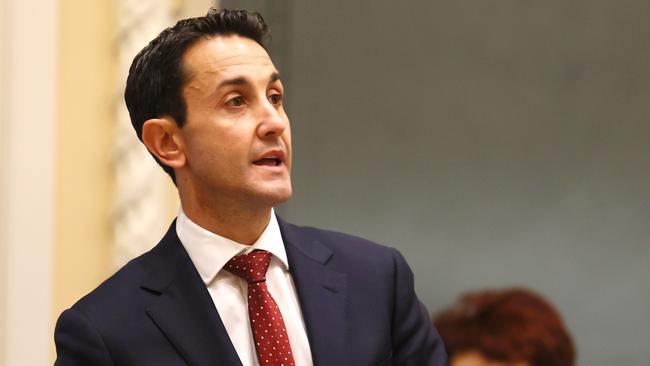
(495,144)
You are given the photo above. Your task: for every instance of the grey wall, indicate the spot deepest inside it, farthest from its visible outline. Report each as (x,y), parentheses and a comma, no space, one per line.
(495,143)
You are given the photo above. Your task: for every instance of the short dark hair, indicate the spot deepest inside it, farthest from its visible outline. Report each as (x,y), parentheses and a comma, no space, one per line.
(157,76)
(511,325)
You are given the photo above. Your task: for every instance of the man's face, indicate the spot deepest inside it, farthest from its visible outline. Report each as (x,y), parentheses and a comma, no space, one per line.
(236,137)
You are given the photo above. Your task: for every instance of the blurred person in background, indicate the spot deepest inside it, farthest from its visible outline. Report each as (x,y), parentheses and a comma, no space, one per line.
(511,327)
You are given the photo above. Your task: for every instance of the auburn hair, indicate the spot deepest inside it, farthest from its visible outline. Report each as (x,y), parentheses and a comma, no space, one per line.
(512,325)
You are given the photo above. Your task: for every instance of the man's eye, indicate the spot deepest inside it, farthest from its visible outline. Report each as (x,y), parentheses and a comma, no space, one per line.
(275,99)
(235,102)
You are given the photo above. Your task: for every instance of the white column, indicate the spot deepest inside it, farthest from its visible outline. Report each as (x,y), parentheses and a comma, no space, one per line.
(27,144)
(141,188)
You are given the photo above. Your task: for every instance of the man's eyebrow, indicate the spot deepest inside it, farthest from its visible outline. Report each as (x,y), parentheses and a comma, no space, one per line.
(240,80)
(274,77)
(234,81)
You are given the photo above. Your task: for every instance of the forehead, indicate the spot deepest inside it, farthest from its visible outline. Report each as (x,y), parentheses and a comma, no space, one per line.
(226,56)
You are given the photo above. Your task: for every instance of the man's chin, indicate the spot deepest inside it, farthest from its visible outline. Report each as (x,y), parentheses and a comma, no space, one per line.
(273,196)
(282,198)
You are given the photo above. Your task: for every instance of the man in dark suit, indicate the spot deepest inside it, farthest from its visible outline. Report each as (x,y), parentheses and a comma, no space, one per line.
(230,283)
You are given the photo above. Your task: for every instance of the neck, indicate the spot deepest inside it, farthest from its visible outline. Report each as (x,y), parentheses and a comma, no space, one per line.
(232,215)
(243,226)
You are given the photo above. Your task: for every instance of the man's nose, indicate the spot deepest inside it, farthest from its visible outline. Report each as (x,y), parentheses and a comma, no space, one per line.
(271,120)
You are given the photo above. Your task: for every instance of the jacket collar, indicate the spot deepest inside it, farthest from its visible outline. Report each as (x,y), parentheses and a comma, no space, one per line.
(185,313)
(322,292)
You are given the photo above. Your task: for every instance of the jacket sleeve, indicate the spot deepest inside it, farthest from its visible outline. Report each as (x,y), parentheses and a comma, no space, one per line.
(415,341)
(78,343)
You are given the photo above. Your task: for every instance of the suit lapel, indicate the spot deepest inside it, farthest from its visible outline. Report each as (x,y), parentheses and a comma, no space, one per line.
(184,310)
(322,292)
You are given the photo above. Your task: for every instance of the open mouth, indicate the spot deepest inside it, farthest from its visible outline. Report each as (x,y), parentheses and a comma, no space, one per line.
(272,161)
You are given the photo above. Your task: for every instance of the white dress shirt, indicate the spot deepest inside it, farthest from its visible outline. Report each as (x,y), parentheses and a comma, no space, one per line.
(210,252)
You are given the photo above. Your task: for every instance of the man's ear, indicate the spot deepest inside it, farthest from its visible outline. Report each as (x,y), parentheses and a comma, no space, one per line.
(161,137)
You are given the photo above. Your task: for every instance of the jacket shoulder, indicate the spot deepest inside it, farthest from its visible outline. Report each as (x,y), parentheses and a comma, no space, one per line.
(348,251)
(123,284)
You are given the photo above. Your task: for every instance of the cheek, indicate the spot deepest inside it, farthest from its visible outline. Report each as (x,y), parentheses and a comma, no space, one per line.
(289,157)
(205,151)
(221,145)
(286,138)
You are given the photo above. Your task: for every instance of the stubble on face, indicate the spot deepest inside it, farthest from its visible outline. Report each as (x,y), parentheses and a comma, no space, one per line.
(236,137)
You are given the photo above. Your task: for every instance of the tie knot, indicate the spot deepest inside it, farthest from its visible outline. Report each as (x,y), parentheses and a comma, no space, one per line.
(250,266)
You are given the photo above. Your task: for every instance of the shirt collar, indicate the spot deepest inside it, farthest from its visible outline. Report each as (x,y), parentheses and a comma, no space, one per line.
(210,252)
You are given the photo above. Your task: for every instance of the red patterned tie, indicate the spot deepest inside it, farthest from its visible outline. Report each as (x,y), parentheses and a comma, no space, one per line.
(270,335)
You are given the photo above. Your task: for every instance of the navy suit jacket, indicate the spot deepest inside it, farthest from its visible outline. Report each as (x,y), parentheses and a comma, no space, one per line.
(356,297)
